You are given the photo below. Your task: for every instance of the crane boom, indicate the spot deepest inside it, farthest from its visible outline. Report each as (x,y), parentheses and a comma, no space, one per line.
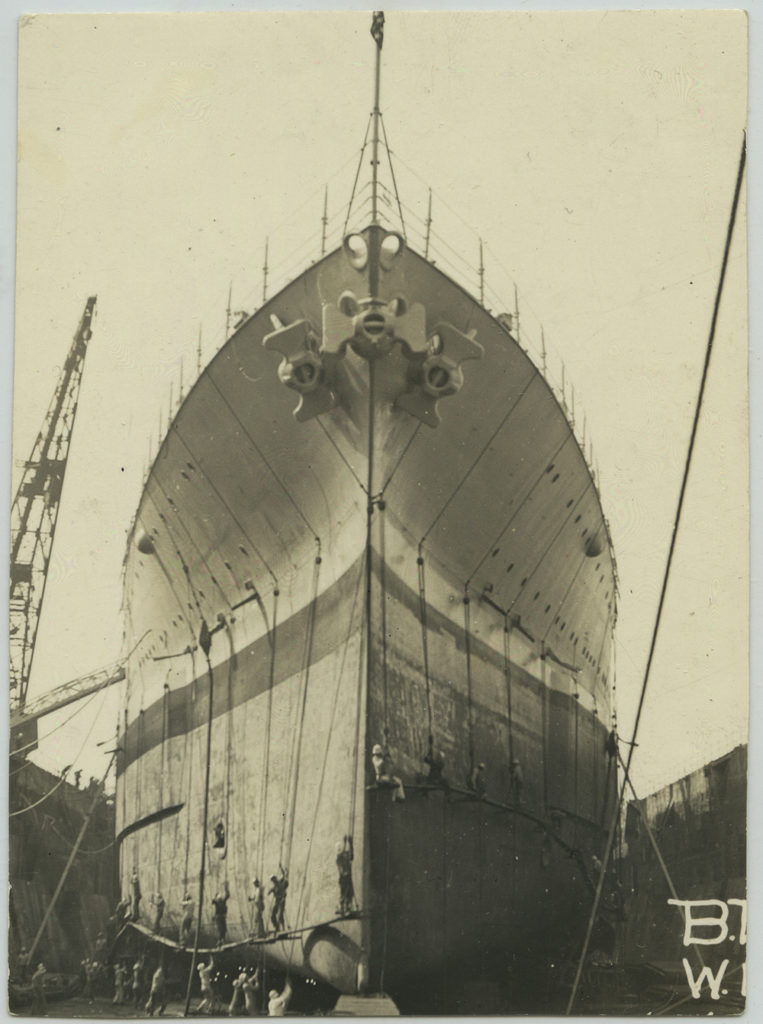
(23,729)
(35,511)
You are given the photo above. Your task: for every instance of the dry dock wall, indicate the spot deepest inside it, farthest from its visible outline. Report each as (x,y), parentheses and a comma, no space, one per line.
(41,840)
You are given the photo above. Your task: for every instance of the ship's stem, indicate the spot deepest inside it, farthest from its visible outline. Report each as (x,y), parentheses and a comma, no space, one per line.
(369,518)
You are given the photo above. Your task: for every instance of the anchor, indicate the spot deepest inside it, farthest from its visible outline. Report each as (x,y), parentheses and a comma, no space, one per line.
(303,368)
(439,374)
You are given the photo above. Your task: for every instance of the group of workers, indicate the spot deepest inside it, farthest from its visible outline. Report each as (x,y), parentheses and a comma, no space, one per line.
(130,985)
(245,989)
(476,781)
(24,975)
(92,974)
(132,988)
(128,909)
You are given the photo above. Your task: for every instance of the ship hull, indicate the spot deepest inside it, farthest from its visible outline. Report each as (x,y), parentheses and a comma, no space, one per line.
(312,589)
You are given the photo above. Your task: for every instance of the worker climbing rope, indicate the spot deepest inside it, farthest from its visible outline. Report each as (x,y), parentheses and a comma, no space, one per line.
(258,899)
(280,884)
(344,859)
(136,895)
(158,903)
(220,903)
(382,765)
(186,922)
(515,781)
(435,763)
(477,781)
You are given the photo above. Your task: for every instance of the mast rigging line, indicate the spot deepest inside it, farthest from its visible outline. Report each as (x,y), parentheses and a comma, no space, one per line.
(668,564)
(357,174)
(294,215)
(439,243)
(308,243)
(392,174)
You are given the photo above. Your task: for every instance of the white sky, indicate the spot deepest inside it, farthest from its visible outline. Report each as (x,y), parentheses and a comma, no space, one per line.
(596,155)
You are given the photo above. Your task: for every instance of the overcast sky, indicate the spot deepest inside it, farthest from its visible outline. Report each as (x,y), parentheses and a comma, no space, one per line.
(596,156)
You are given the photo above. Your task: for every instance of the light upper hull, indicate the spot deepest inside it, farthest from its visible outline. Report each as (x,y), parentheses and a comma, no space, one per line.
(495,505)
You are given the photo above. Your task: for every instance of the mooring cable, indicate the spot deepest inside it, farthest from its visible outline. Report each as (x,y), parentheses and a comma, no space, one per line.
(663,591)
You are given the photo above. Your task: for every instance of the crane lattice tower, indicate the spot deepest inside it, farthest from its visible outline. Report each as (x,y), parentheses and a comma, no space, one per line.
(35,510)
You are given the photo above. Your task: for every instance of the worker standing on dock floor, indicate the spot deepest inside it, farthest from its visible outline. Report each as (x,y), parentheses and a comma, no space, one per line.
(22,965)
(207,992)
(279,1002)
(250,989)
(120,973)
(235,1002)
(88,967)
(137,981)
(157,996)
(39,1003)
